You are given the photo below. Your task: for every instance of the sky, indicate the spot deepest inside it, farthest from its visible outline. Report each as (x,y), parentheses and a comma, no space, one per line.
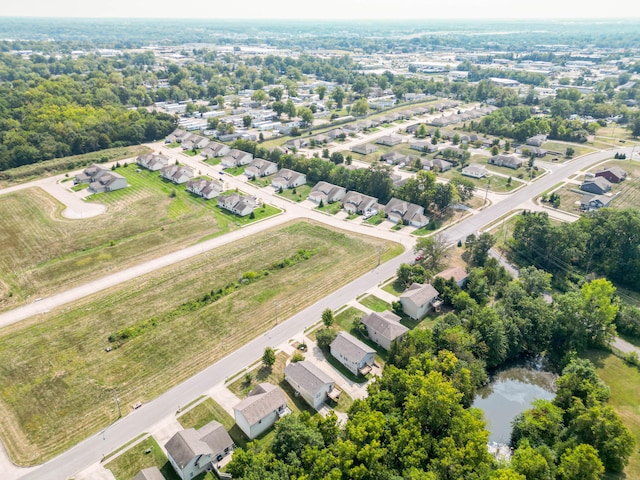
(325,9)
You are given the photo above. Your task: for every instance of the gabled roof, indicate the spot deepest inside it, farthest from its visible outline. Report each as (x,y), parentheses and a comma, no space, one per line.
(151,473)
(262,400)
(307,376)
(420,294)
(386,324)
(617,171)
(350,347)
(457,273)
(215,436)
(185,445)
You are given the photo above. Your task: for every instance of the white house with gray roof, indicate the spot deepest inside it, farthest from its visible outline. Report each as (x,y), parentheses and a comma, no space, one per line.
(355,202)
(260,167)
(236,158)
(177,173)
(286,178)
(357,356)
(326,193)
(399,211)
(241,205)
(264,405)
(313,385)
(384,327)
(192,451)
(152,161)
(419,299)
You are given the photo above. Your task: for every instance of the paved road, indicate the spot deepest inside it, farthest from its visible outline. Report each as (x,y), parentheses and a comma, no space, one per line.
(93,448)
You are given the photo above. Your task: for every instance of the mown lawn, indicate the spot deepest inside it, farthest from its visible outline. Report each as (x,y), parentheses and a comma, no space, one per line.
(129,463)
(624,381)
(205,412)
(56,380)
(297,194)
(374,303)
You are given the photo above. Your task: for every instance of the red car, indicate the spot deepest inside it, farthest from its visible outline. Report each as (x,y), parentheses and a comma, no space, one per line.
(419,257)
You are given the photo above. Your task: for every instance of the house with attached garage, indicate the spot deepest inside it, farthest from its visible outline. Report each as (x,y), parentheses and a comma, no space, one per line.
(597,185)
(612,174)
(357,356)
(459,275)
(475,170)
(405,213)
(311,383)
(355,202)
(152,161)
(506,161)
(194,141)
(108,182)
(192,452)
(286,178)
(589,203)
(257,413)
(177,136)
(419,299)
(389,140)
(326,193)
(393,158)
(205,188)
(259,168)
(215,149)
(423,146)
(240,205)
(437,164)
(177,173)
(236,158)
(90,174)
(384,327)
(364,148)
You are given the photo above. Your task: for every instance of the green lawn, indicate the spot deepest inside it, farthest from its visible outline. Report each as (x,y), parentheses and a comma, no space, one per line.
(235,171)
(213,161)
(206,412)
(347,317)
(129,463)
(394,288)
(374,303)
(190,152)
(561,147)
(297,194)
(624,381)
(330,208)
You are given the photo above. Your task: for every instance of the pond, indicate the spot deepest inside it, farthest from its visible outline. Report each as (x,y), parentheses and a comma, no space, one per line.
(510,392)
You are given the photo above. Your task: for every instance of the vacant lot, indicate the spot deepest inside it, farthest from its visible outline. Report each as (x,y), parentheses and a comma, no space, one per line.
(56,379)
(40,252)
(142,455)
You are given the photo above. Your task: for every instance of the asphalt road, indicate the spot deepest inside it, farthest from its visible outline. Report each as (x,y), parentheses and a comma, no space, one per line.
(92,449)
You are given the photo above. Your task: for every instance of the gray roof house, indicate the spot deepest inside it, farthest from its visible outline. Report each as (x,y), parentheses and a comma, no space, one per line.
(177,173)
(364,148)
(475,170)
(399,211)
(311,383)
(352,353)
(215,149)
(355,202)
(590,203)
(264,405)
(178,135)
(194,141)
(205,188)
(436,164)
(384,327)
(326,193)
(90,174)
(536,140)
(297,143)
(152,161)
(286,178)
(506,161)
(241,205)
(260,167)
(597,185)
(393,157)
(108,182)
(192,451)
(423,146)
(151,473)
(236,158)
(613,174)
(389,140)
(419,299)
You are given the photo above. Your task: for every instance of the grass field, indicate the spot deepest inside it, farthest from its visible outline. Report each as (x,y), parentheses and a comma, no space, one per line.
(561,147)
(129,463)
(205,412)
(297,194)
(56,380)
(40,251)
(624,382)
(374,303)
(60,165)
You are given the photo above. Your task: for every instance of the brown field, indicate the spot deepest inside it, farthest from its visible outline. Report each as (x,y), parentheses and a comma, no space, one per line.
(56,380)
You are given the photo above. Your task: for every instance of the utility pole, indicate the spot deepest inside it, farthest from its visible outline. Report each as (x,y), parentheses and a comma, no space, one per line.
(486,193)
(115,396)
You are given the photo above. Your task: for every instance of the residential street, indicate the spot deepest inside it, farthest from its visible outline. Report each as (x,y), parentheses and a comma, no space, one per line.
(92,449)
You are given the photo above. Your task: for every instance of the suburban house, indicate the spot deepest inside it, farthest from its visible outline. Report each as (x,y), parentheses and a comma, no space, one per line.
(364,148)
(419,299)
(459,275)
(108,182)
(399,211)
(536,140)
(436,164)
(215,149)
(152,161)
(389,140)
(596,185)
(192,451)
(240,205)
(475,170)
(613,174)
(236,158)
(506,161)
(531,150)
(151,473)
(194,141)
(590,203)
(326,193)
(355,202)
(384,327)
(177,136)
(297,143)
(90,174)
(177,173)
(264,405)
(423,146)
(311,383)
(286,178)
(352,353)
(205,188)
(393,157)
(260,167)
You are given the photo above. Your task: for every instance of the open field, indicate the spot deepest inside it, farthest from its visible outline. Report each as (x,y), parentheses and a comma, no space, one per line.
(561,147)
(59,165)
(56,380)
(374,303)
(129,463)
(40,252)
(624,382)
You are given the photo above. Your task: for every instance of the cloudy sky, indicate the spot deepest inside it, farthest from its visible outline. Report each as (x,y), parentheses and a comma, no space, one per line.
(325,9)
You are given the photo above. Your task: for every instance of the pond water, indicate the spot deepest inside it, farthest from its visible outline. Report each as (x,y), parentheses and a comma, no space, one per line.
(510,392)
